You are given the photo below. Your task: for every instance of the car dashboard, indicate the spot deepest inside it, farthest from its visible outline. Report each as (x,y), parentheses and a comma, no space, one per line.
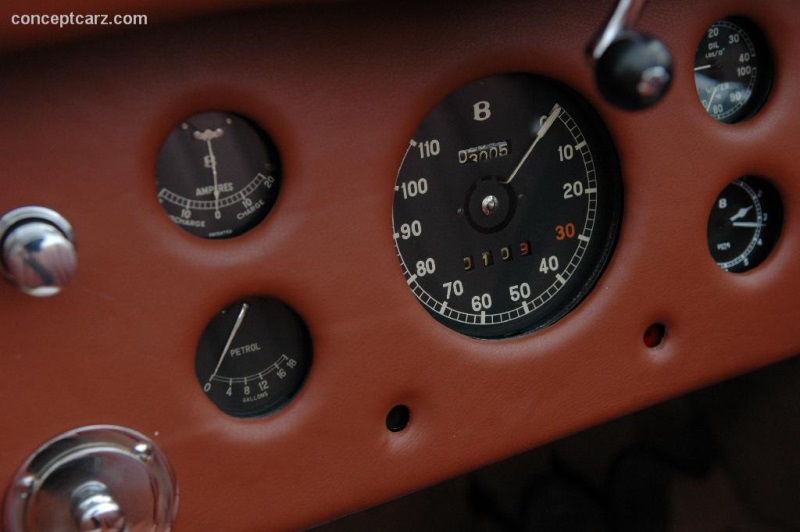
(393,399)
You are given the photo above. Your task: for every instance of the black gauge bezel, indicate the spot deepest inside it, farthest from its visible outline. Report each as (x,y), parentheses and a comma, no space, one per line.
(765,76)
(287,345)
(603,152)
(259,186)
(757,247)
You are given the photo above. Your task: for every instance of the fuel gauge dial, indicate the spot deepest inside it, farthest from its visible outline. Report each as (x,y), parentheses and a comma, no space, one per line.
(253,357)
(744,224)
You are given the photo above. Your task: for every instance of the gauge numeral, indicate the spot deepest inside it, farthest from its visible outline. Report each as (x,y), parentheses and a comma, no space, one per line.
(455,287)
(713,32)
(565,231)
(483,302)
(229,391)
(263,385)
(429,148)
(734,38)
(746,70)
(246,389)
(548,264)
(566,152)
(519,291)
(744,57)
(186,214)
(414,188)
(573,190)
(425,267)
(412,229)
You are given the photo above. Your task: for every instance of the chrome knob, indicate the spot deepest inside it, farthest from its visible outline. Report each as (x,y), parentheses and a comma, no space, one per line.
(95,510)
(39,253)
(100,478)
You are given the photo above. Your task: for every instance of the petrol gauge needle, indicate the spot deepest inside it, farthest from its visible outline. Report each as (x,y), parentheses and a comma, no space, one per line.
(207,136)
(748,224)
(239,320)
(551,118)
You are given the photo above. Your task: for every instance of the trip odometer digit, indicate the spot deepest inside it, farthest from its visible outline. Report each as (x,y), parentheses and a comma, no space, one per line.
(506,206)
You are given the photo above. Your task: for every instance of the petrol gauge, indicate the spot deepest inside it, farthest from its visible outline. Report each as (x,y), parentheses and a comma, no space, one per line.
(506,205)
(253,357)
(733,70)
(218,175)
(744,224)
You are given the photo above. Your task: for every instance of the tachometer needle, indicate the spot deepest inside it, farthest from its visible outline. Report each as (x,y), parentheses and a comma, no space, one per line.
(748,224)
(741,213)
(551,118)
(239,320)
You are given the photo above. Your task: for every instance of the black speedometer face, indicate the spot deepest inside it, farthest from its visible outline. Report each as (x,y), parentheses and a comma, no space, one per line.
(732,70)
(744,224)
(506,205)
(218,175)
(253,357)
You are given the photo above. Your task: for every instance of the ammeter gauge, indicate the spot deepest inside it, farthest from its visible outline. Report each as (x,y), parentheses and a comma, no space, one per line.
(218,175)
(253,357)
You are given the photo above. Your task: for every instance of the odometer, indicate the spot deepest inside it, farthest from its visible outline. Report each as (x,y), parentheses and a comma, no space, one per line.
(506,206)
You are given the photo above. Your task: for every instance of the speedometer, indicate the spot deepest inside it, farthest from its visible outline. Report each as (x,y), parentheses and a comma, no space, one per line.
(506,205)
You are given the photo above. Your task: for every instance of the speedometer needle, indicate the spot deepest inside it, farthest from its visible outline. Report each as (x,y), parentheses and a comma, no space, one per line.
(551,118)
(239,320)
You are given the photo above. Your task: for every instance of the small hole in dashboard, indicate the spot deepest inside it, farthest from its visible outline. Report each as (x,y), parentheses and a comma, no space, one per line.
(398,417)
(654,335)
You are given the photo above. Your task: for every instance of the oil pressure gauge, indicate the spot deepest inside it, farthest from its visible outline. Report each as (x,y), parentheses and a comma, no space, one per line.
(744,224)
(218,175)
(253,357)
(732,70)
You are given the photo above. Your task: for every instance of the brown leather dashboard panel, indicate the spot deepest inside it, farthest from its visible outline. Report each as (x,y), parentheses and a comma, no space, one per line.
(341,87)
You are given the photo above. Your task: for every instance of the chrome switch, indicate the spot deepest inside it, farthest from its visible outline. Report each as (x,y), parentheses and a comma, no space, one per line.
(39,253)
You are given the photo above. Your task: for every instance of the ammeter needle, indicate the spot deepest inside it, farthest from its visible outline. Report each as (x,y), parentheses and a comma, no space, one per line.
(239,320)
(551,118)
(207,136)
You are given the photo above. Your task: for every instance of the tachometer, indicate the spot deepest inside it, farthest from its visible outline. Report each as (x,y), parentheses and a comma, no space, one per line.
(744,224)
(217,175)
(506,206)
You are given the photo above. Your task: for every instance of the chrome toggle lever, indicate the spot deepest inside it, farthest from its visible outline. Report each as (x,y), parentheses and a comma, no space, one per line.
(633,71)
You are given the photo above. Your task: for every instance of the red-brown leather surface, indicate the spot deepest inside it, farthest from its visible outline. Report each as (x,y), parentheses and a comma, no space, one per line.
(341,87)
